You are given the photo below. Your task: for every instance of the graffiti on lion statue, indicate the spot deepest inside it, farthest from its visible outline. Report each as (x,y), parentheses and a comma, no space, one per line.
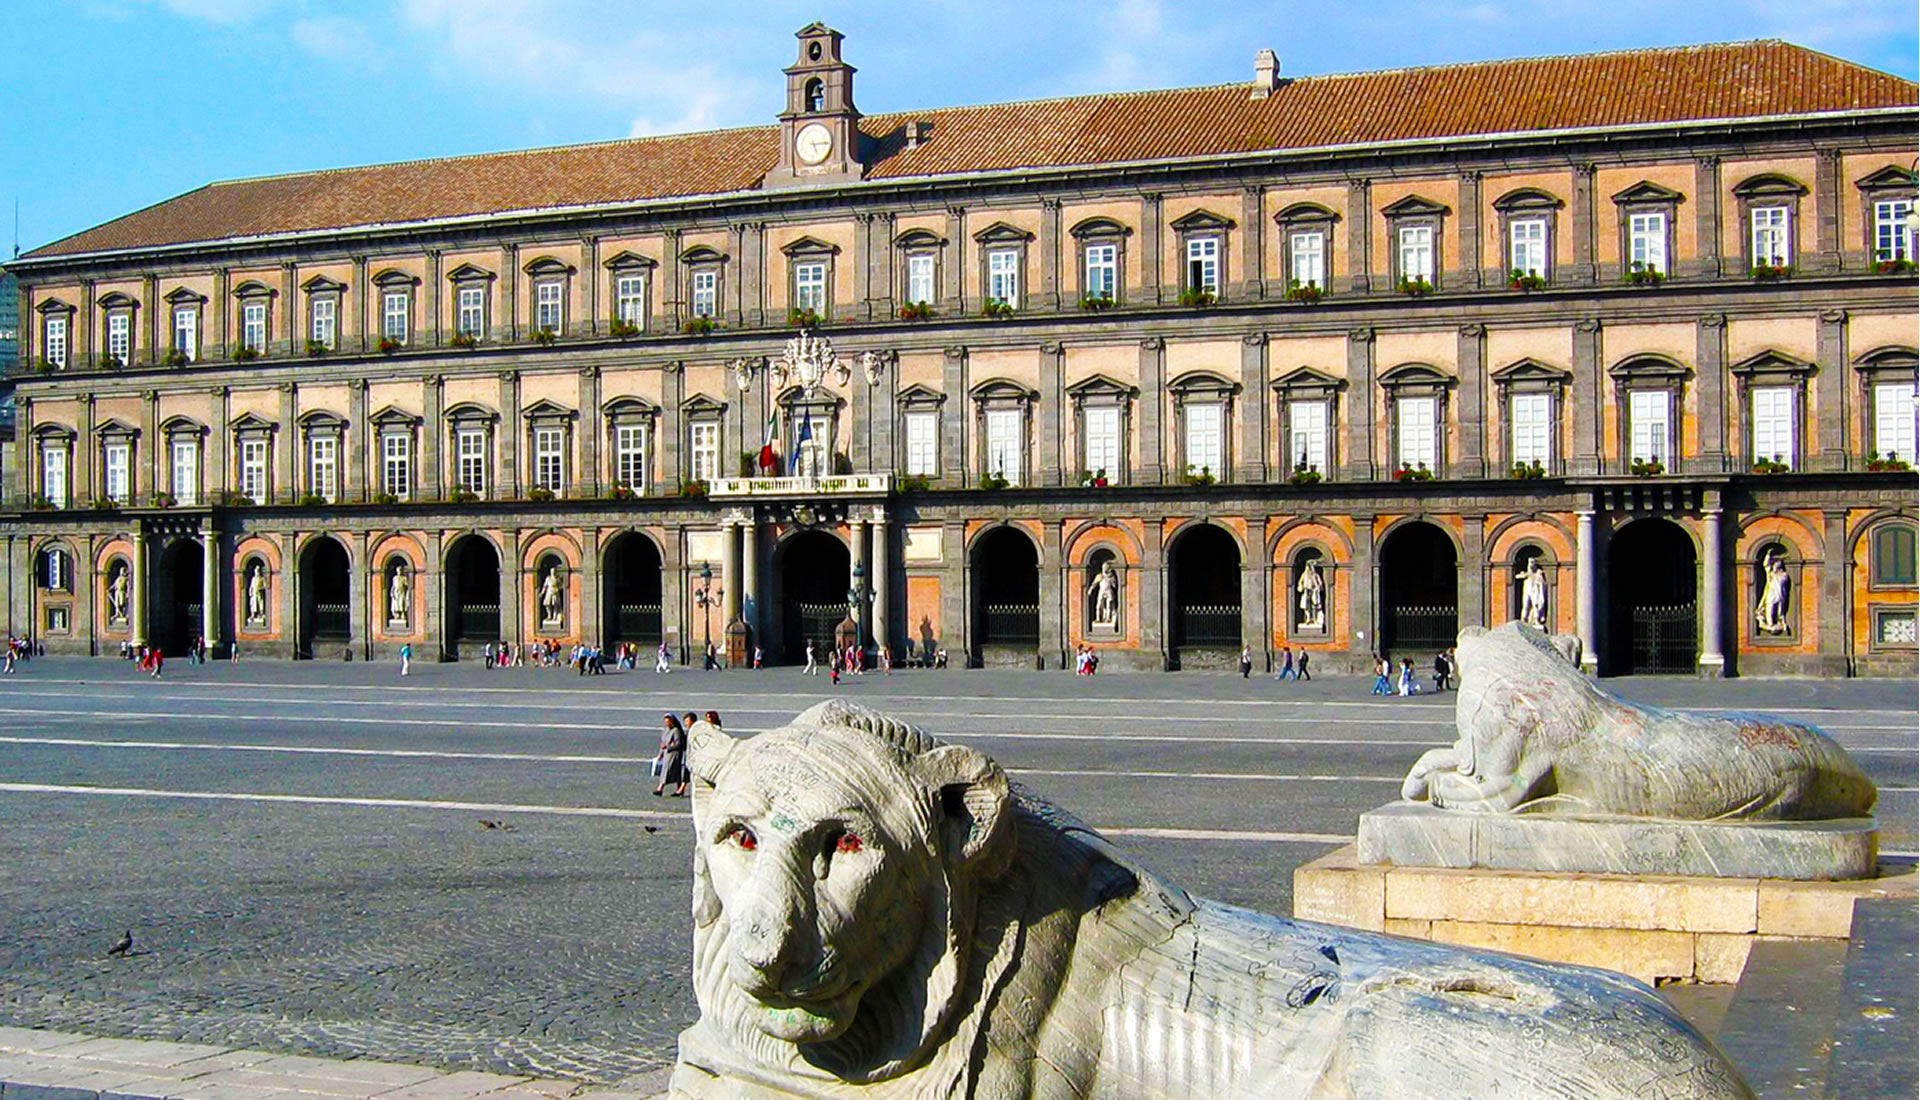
(1538,736)
(879,914)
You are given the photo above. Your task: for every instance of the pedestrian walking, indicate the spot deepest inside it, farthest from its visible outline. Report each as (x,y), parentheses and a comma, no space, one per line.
(1246,661)
(159,660)
(1286,664)
(886,659)
(833,667)
(9,660)
(1382,684)
(1302,673)
(488,653)
(813,664)
(671,763)
(1441,670)
(759,659)
(660,665)
(406,657)
(712,658)
(1409,685)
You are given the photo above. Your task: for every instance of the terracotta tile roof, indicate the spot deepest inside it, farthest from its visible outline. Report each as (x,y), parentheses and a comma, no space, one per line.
(1733,80)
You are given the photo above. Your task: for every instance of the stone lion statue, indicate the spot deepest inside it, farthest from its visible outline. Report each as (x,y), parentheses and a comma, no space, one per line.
(1538,736)
(879,914)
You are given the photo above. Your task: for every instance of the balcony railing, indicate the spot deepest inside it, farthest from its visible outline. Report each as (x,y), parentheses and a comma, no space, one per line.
(836,485)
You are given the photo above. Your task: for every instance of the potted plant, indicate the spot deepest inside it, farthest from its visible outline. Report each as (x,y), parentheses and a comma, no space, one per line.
(162,500)
(1527,471)
(385,498)
(1641,273)
(175,358)
(387,345)
(1201,476)
(621,492)
(312,500)
(992,481)
(1416,472)
(693,488)
(916,311)
(1094,479)
(1652,467)
(103,504)
(1304,474)
(245,353)
(1525,281)
(110,361)
(622,329)
(805,318)
(41,502)
(698,326)
(464,339)
(44,366)
(1893,463)
(1417,287)
(317,349)
(1893,267)
(544,335)
(1308,292)
(914,483)
(1096,303)
(1774,465)
(996,309)
(1771,271)
(1199,297)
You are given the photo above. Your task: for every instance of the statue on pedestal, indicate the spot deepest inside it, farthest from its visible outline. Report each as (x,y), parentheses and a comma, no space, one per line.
(117,586)
(257,593)
(1533,594)
(1313,596)
(399,597)
(552,611)
(1771,613)
(1106,591)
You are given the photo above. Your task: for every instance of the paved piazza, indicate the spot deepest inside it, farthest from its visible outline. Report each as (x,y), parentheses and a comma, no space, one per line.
(300,849)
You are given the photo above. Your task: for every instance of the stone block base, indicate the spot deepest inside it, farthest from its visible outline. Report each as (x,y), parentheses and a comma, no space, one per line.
(1653,927)
(1416,834)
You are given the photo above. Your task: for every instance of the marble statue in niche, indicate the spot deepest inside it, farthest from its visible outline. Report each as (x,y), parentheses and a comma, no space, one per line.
(257,592)
(1312,590)
(1770,615)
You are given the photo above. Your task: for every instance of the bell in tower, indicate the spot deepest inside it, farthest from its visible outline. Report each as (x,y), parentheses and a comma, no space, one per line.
(820,129)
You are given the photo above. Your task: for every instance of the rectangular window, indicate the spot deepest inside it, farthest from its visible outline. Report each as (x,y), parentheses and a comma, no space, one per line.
(920,277)
(186,333)
(810,286)
(1527,246)
(1103,271)
(1647,241)
(472,319)
(393,316)
(120,337)
(117,463)
(253,470)
(323,467)
(1307,420)
(1003,276)
(1532,429)
(396,464)
(1892,236)
(1004,444)
(53,473)
(56,341)
(923,444)
(1893,425)
(56,578)
(547,458)
(1416,252)
(630,300)
(1308,258)
(1773,424)
(471,445)
(186,471)
(705,437)
(630,456)
(1418,439)
(547,314)
(706,294)
(324,322)
(1203,264)
(1102,450)
(1649,415)
(1894,627)
(1770,245)
(1206,439)
(253,326)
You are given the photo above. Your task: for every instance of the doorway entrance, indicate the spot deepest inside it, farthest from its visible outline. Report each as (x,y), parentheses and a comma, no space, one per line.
(1203,567)
(324,596)
(473,594)
(1005,570)
(176,619)
(815,571)
(632,571)
(1419,592)
(1652,622)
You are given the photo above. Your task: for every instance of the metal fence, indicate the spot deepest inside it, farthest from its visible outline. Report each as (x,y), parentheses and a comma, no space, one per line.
(1010,624)
(330,621)
(1665,638)
(1208,624)
(1418,628)
(817,621)
(638,622)
(477,622)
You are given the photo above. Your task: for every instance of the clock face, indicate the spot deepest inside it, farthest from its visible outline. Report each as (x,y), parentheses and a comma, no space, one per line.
(813,143)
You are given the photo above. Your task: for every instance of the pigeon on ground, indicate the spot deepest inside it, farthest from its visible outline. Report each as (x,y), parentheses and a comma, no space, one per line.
(485,824)
(651,828)
(125,945)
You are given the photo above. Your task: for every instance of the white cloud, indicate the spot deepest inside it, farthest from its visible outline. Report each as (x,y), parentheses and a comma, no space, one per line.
(336,38)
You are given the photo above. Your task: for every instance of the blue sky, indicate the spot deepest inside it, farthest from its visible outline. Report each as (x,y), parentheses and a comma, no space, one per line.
(111,105)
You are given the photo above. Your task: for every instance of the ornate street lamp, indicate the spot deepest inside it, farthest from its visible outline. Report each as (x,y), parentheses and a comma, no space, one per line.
(706,597)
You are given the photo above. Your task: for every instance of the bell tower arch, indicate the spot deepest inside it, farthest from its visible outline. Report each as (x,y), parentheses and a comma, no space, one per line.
(820,129)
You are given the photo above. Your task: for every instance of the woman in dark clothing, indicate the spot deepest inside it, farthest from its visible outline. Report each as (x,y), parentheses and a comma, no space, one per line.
(673,758)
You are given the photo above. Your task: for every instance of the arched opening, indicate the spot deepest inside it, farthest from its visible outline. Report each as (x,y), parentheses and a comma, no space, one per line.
(815,573)
(1204,598)
(1419,597)
(816,96)
(1774,575)
(473,591)
(1652,626)
(175,618)
(1103,586)
(1530,588)
(324,595)
(550,585)
(1005,571)
(632,573)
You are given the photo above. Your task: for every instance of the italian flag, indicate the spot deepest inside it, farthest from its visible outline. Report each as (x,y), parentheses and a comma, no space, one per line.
(767,459)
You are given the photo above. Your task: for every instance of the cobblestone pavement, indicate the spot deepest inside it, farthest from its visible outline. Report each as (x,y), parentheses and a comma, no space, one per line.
(302,855)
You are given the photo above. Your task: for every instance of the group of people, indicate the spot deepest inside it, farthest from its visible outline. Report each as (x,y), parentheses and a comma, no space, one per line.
(18,649)
(1085,661)
(1285,666)
(670,763)
(1408,680)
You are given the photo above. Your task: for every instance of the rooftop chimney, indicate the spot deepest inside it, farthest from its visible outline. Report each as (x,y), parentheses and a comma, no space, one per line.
(1266,73)
(916,133)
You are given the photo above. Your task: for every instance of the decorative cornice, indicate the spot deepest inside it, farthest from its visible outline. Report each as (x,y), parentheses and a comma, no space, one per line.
(1153,343)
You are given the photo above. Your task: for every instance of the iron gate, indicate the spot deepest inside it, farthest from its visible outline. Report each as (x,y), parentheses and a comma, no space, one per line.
(1209,624)
(478,622)
(1010,624)
(817,622)
(638,622)
(1423,628)
(1664,639)
(330,620)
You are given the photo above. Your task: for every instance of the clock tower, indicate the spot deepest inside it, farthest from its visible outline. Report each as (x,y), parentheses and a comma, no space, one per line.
(819,130)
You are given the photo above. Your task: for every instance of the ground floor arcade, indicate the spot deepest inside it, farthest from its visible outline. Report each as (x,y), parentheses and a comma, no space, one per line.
(1678,576)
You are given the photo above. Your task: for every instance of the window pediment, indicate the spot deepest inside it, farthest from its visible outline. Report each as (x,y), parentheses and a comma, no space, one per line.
(115,429)
(544,409)
(48,433)
(1201,221)
(253,288)
(701,404)
(182,425)
(920,396)
(1770,365)
(809,248)
(1647,193)
(1415,206)
(320,420)
(1523,373)
(1099,386)
(252,423)
(628,262)
(471,412)
(469,273)
(1202,383)
(1303,213)
(391,417)
(1099,227)
(919,238)
(182,296)
(1650,369)
(320,284)
(702,254)
(1002,390)
(1307,381)
(52,305)
(1002,233)
(1890,359)
(1891,177)
(113,300)
(1769,185)
(1416,378)
(394,279)
(546,265)
(819,399)
(629,408)
(1527,199)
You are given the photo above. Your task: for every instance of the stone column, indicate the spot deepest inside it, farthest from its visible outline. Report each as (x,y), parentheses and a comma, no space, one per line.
(750,603)
(593,619)
(432,478)
(670,439)
(862,535)
(81,488)
(290,338)
(1363,618)
(675,604)
(953,284)
(886,410)
(210,585)
(1153,609)
(1053,634)
(1584,581)
(587,477)
(730,570)
(219,455)
(362,309)
(356,486)
(1256,407)
(1473,573)
(433,624)
(1830,384)
(1585,399)
(148,451)
(1253,237)
(215,342)
(1468,274)
(956,625)
(1836,640)
(1052,408)
(1358,420)
(589,321)
(1150,259)
(508,323)
(512,584)
(861,308)
(1049,296)
(1359,236)
(286,443)
(953,420)
(1471,351)
(508,479)
(1710,358)
(1254,603)
(436,313)
(359,594)
(673,308)
(1152,465)
(137,587)
(1583,262)
(1713,662)
(1829,255)
(148,348)
(733,288)
(1706,209)
(882,580)
(81,350)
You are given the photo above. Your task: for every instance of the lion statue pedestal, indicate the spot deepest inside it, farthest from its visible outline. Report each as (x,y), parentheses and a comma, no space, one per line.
(878,914)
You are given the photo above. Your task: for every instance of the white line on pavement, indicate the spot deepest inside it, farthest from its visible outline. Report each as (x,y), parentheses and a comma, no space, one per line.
(1227,834)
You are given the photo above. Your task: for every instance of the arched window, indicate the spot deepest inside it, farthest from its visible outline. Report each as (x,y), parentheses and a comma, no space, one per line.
(1893,554)
(816,95)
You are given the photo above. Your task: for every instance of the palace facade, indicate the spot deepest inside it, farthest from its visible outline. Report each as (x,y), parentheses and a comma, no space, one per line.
(1623,343)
